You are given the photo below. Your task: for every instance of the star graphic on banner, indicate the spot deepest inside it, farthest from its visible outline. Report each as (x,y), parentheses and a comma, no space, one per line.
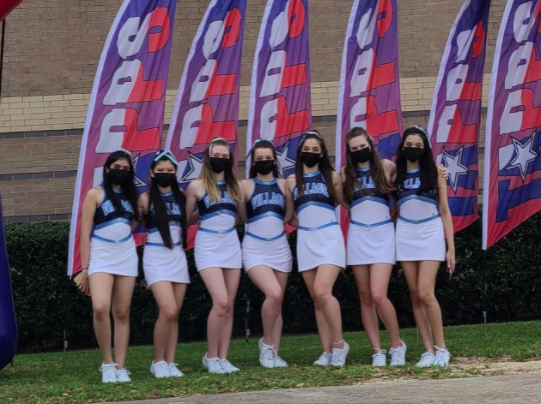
(283,160)
(454,167)
(138,181)
(524,155)
(195,164)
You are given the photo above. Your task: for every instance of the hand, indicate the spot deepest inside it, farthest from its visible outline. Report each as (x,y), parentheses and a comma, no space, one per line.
(145,239)
(451,261)
(443,171)
(82,282)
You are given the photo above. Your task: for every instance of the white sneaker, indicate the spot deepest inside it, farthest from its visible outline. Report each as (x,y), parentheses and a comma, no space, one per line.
(108,373)
(279,362)
(398,355)
(160,370)
(213,365)
(227,367)
(123,376)
(339,356)
(324,359)
(427,360)
(379,358)
(174,371)
(266,354)
(442,357)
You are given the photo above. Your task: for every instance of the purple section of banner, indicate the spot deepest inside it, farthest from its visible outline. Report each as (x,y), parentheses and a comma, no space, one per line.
(280,104)
(512,183)
(369,83)
(127,103)
(455,119)
(207,103)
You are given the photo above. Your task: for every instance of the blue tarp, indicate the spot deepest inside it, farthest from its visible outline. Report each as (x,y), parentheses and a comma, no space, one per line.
(8,324)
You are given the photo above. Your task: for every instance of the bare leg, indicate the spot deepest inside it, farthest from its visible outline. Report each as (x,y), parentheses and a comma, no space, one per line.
(428,270)
(101,287)
(368,308)
(122,294)
(179,290)
(215,283)
(322,326)
(277,332)
(380,275)
(325,277)
(263,277)
(232,278)
(411,271)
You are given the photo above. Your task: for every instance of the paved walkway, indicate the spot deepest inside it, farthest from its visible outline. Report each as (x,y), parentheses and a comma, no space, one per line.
(517,389)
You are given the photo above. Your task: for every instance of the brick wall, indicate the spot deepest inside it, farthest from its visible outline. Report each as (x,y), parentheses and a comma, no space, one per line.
(53,46)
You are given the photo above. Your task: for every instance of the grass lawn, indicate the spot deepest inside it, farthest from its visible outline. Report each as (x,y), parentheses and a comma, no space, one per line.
(39,378)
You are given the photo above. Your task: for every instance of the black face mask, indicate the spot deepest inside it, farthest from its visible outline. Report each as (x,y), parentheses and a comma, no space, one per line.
(310,159)
(264,167)
(118,177)
(362,156)
(219,164)
(165,179)
(413,154)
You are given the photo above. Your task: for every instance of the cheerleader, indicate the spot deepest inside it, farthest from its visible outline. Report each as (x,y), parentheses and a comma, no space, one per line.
(424,222)
(266,254)
(321,252)
(164,260)
(109,259)
(218,256)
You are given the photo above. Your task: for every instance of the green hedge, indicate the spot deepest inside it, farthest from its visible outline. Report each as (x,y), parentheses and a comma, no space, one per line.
(45,298)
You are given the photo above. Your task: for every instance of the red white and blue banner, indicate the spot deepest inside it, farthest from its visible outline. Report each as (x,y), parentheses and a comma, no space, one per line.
(455,118)
(207,103)
(280,104)
(369,94)
(369,82)
(127,103)
(512,179)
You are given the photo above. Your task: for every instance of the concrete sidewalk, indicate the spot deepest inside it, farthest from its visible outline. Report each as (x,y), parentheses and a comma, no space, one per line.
(517,389)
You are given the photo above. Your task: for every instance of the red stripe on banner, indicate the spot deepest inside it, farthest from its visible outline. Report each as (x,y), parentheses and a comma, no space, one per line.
(461,133)
(296,17)
(531,116)
(208,128)
(534,68)
(233,28)
(294,76)
(385,21)
(287,124)
(159,38)
(146,90)
(139,140)
(382,75)
(479,41)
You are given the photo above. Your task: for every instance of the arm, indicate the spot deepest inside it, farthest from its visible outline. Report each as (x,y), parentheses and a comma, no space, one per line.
(447,220)
(89,210)
(339,190)
(290,206)
(241,206)
(191,200)
(142,204)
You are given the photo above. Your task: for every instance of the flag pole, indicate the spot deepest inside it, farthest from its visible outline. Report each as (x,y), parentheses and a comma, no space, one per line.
(2,53)
(485,287)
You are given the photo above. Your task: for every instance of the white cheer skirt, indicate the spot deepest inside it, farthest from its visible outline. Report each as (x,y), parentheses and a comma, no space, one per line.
(220,251)
(371,245)
(162,264)
(320,247)
(115,259)
(420,241)
(274,254)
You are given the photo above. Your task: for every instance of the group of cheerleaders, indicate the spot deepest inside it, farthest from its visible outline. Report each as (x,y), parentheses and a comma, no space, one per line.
(306,200)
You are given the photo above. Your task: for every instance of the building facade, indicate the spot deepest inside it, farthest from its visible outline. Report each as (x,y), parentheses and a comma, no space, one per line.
(52,48)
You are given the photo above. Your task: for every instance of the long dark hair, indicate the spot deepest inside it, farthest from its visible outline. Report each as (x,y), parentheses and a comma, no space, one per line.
(161,216)
(325,166)
(264,144)
(429,171)
(129,189)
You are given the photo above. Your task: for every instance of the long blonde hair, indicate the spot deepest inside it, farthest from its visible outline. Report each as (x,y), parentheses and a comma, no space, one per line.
(209,180)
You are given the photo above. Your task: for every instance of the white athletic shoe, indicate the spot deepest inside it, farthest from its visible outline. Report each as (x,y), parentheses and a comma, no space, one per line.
(338,358)
(398,355)
(213,365)
(324,359)
(108,373)
(160,370)
(227,367)
(427,360)
(174,371)
(379,359)
(279,362)
(266,354)
(123,376)
(442,357)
